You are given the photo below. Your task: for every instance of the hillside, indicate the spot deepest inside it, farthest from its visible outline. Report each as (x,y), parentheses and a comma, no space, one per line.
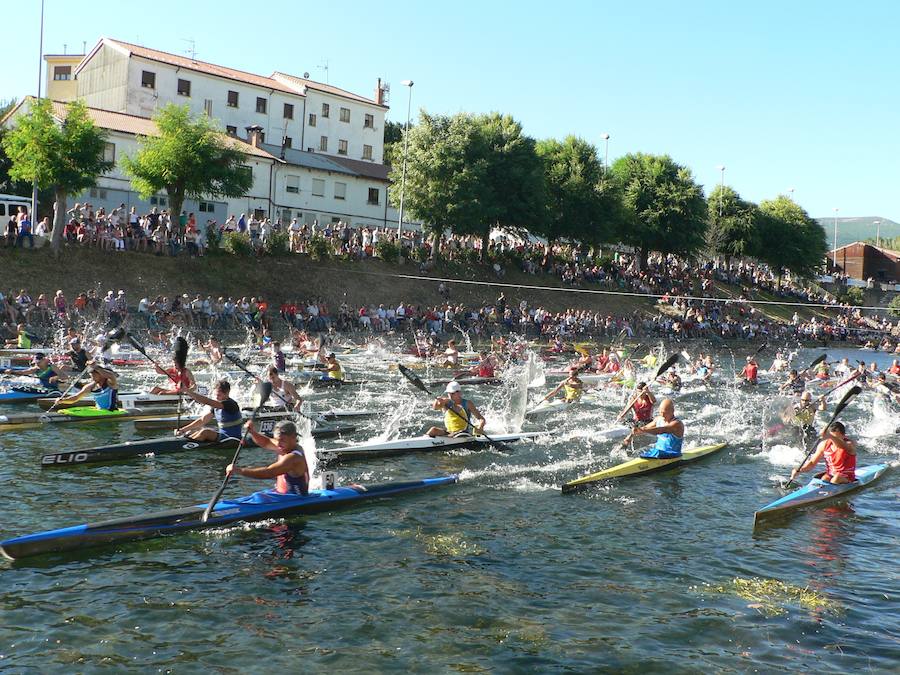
(857,229)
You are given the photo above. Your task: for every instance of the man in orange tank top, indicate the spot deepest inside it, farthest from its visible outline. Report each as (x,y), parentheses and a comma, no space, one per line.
(839,453)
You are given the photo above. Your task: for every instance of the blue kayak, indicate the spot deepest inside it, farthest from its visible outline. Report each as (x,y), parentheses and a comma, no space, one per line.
(817,492)
(26,394)
(258,506)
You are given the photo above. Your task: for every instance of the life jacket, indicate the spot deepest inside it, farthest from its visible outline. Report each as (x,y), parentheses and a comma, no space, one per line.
(573,392)
(456,423)
(643,410)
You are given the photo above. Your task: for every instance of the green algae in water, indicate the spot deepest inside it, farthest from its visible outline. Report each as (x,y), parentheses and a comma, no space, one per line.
(443,544)
(771,597)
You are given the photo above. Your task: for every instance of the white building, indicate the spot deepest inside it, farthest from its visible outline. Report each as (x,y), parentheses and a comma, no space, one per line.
(315,150)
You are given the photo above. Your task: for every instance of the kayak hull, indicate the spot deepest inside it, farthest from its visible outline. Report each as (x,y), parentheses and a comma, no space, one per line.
(85,414)
(417,444)
(818,492)
(258,506)
(641,467)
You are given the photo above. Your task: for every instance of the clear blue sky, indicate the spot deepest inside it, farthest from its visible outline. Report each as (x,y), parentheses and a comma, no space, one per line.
(798,94)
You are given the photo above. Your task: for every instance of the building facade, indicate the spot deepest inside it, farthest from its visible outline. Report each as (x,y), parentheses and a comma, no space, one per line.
(864,261)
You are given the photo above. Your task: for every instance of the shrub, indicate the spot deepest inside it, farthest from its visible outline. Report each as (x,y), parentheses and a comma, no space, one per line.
(319,248)
(237,243)
(387,250)
(278,243)
(894,307)
(418,254)
(213,238)
(853,296)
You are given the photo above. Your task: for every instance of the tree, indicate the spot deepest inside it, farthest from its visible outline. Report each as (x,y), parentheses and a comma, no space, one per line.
(789,238)
(190,158)
(446,175)
(66,155)
(731,231)
(664,209)
(578,206)
(393,133)
(514,178)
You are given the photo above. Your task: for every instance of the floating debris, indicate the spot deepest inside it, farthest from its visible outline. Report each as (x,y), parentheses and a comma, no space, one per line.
(443,544)
(771,597)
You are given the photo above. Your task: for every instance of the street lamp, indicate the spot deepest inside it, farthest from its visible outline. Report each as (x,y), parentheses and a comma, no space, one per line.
(791,191)
(34,185)
(721,168)
(834,252)
(878,233)
(405,83)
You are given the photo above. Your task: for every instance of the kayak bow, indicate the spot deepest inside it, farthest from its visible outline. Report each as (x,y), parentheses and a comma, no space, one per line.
(416,444)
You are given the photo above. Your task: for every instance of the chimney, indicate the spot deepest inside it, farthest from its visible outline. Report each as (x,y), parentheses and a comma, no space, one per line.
(379,93)
(254,135)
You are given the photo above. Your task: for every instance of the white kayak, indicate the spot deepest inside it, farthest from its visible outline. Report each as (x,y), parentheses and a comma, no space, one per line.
(549,408)
(404,446)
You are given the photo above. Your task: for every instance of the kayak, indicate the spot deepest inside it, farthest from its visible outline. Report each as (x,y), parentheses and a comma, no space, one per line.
(262,505)
(549,407)
(135,398)
(640,467)
(168,445)
(85,414)
(818,492)
(26,394)
(265,420)
(405,446)
(467,380)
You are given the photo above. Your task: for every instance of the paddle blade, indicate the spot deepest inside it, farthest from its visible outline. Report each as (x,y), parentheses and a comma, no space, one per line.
(845,400)
(134,343)
(412,377)
(761,348)
(817,361)
(181,352)
(264,391)
(669,362)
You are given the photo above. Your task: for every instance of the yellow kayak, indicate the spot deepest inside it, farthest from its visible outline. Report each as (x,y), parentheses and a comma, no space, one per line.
(641,466)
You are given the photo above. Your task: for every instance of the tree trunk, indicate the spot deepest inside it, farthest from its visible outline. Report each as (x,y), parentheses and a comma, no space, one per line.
(59,221)
(435,246)
(485,243)
(642,259)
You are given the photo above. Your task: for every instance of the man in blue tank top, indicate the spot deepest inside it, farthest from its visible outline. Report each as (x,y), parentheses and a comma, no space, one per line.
(669,432)
(290,470)
(223,409)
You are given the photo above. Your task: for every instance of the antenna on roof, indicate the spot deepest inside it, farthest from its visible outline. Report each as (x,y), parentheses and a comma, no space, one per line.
(64,47)
(84,46)
(306,75)
(191,49)
(324,67)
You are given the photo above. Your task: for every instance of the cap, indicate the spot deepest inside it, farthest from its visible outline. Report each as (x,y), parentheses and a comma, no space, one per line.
(453,387)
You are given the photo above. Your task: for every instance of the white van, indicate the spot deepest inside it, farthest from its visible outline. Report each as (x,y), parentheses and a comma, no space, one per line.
(9,206)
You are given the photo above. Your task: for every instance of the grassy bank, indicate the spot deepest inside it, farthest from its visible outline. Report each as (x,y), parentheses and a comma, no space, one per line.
(294,277)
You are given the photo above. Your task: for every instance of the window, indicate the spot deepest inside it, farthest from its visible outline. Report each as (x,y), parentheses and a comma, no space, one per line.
(342,147)
(318,187)
(292,184)
(230,130)
(262,136)
(340,190)
(326,110)
(323,144)
(288,111)
(259,214)
(312,119)
(184,87)
(148,79)
(374,195)
(158,201)
(207,207)
(345,114)
(287,142)
(260,105)
(369,122)
(232,99)
(207,107)
(62,72)
(367,152)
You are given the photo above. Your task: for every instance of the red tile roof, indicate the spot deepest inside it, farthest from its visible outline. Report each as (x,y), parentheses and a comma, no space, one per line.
(318,86)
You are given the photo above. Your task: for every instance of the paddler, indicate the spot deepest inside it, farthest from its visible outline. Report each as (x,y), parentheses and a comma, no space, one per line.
(103,384)
(214,350)
(290,470)
(839,453)
(45,372)
(485,366)
(895,367)
(458,414)
(77,355)
(223,409)
(22,340)
(822,372)
(333,369)
(179,379)
(669,432)
(278,358)
(284,393)
(451,355)
(750,373)
(673,380)
(572,387)
(886,390)
(642,410)
(794,384)
(804,413)
(779,364)
(649,361)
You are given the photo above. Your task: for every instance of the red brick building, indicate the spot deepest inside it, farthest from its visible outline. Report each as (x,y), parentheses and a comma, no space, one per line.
(863,261)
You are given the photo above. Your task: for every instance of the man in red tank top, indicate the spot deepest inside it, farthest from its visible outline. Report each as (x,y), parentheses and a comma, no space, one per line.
(839,453)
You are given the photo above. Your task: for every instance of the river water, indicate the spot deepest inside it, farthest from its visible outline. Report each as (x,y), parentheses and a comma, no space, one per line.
(497,573)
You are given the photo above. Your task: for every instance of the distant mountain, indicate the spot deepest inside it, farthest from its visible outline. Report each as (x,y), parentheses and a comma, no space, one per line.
(857,229)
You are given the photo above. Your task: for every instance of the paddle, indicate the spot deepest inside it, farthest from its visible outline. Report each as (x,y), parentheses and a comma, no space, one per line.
(669,362)
(240,364)
(137,345)
(265,389)
(180,360)
(845,400)
(114,335)
(816,362)
(418,384)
